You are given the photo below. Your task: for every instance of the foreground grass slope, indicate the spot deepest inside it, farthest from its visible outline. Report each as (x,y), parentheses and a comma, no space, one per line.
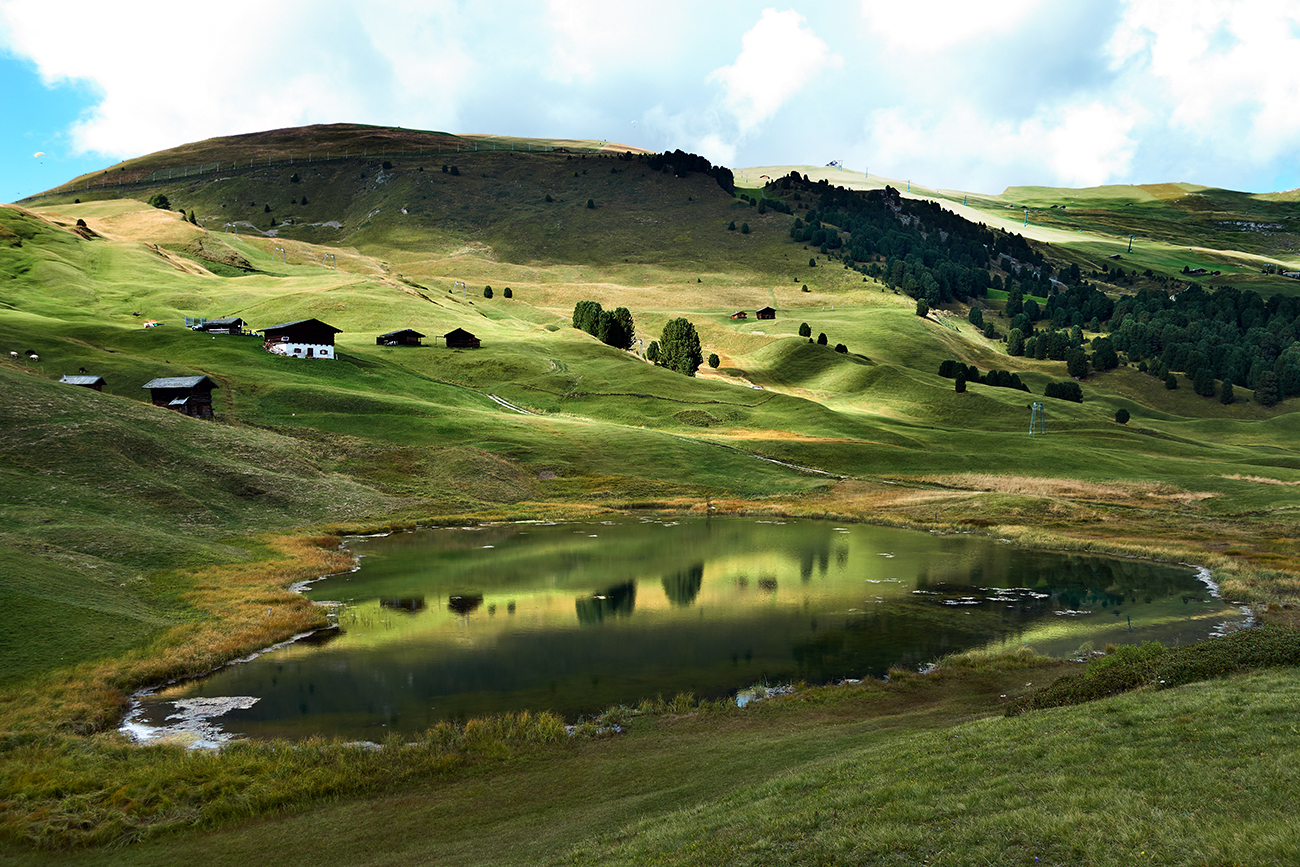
(138,545)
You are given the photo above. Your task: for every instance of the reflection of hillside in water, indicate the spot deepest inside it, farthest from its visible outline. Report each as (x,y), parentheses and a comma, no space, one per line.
(640,609)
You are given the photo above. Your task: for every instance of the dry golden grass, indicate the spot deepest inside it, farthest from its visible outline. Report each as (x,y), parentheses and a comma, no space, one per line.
(242,608)
(1074,488)
(1261,480)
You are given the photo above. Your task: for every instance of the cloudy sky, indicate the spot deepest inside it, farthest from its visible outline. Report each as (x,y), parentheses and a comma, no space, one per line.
(957,94)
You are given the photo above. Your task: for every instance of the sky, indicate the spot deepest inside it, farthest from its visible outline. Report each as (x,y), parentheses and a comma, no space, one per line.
(952,94)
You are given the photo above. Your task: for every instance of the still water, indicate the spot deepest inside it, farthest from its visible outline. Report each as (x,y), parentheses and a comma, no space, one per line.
(575,617)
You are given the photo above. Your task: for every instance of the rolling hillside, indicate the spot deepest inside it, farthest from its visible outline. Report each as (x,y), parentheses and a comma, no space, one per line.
(115,514)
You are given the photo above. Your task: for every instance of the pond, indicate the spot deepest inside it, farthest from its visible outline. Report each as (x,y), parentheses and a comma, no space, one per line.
(454,623)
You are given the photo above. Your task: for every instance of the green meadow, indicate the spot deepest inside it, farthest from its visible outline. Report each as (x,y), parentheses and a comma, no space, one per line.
(138,545)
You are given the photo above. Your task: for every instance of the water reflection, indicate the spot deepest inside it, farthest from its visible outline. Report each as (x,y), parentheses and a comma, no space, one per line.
(612,612)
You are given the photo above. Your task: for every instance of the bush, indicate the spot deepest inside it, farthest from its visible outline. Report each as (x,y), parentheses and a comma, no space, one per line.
(1171,381)
(744,228)
(714,361)
(507,293)
(455,171)
(1121,415)
(549,199)
(922,307)
(158,200)
(591,204)
(960,383)
(731,227)
(821,339)
(812,262)
(841,348)
(487,291)
(387,165)
(805,330)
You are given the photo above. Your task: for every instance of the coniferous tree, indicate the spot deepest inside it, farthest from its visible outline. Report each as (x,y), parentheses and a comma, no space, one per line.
(1226,395)
(1121,415)
(714,361)
(679,347)
(1267,393)
(805,330)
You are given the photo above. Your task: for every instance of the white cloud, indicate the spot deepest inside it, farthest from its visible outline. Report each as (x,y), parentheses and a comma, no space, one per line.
(1079,145)
(779,56)
(930,26)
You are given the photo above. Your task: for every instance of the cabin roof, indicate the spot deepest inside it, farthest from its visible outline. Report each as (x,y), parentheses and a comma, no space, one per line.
(82,380)
(412,332)
(283,325)
(459,332)
(178,382)
(226,320)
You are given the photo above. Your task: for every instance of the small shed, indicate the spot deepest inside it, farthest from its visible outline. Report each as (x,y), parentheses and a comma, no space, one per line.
(765,313)
(740,314)
(302,338)
(405,337)
(191,395)
(229,325)
(95,382)
(460,339)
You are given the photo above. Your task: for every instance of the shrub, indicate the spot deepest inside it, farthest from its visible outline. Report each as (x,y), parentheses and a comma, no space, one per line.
(714,361)
(960,383)
(805,330)
(487,291)
(841,348)
(1121,415)
(158,200)
(455,171)
(821,339)
(387,165)
(591,204)
(922,307)
(812,262)
(744,228)
(1171,381)
(293,178)
(731,227)
(507,293)
(548,198)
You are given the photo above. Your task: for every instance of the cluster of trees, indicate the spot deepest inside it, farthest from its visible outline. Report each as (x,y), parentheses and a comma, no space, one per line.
(1068,390)
(970,373)
(915,246)
(682,164)
(1232,335)
(612,327)
(805,330)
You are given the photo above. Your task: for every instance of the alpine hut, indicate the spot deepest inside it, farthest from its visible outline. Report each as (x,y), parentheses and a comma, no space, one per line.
(304,338)
(460,339)
(191,395)
(765,313)
(228,325)
(405,337)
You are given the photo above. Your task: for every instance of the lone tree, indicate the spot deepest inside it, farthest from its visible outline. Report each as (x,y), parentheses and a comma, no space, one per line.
(591,204)
(1121,415)
(679,347)
(487,291)
(805,330)
(744,228)
(731,227)
(841,349)
(714,361)
(922,307)
(158,200)
(821,339)
(508,293)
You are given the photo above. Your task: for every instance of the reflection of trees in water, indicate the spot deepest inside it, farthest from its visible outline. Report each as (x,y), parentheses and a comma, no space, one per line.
(618,600)
(767,583)
(1034,582)
(403,603)
(682,587)
(464,604)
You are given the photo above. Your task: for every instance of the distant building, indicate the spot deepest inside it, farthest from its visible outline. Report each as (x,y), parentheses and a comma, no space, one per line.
(95,382)
(191,395)
(460,339)
(740,314)
(405,337)
(304,338)
(765,313)
(231,325)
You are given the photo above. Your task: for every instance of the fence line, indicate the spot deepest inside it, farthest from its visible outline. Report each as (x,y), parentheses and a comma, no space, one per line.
(173,173)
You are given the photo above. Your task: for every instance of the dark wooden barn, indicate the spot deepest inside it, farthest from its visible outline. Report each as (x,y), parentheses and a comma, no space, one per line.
(460,339)
(191,395)
(229,325)
(95,382)
(405,337)
(765,313)
(303,338)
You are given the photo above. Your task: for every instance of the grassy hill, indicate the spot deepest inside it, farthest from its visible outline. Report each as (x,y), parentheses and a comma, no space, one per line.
(138,544)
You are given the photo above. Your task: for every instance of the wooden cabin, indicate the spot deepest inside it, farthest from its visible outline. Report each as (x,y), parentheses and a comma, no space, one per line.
(95,382)
(460,339)
(405,337)
(740,314)
(303,338)
(191,395)
(229,325)
(765,313)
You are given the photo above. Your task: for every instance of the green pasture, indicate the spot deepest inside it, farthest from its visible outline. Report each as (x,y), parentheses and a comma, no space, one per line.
(107,501)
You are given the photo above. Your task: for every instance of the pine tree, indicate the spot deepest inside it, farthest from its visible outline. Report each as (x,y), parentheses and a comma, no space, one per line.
(679,347)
